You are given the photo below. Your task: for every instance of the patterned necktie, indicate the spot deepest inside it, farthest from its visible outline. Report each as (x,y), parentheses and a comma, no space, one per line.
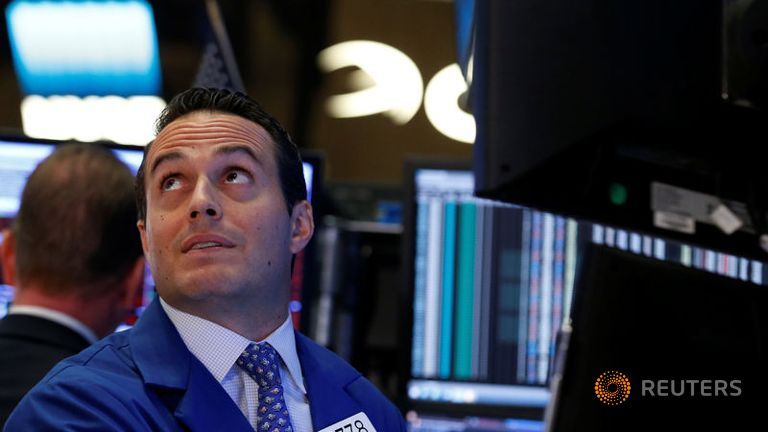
(260,362)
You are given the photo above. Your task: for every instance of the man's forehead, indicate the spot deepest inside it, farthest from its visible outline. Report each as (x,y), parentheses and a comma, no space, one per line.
(206,129)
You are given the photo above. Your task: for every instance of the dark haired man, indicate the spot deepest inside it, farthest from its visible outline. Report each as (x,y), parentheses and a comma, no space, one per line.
(74,259)
(223,209)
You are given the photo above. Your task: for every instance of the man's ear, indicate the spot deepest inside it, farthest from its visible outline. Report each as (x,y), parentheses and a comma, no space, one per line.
(302,226)
(142,226)
(8,257)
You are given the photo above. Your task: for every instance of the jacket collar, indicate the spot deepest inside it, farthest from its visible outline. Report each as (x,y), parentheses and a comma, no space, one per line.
(184,385)
(58,317)
(326,379)
(22,326)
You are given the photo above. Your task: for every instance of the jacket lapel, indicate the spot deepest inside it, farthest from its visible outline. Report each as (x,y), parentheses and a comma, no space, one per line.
(326,383)
(185,386)
(206,406)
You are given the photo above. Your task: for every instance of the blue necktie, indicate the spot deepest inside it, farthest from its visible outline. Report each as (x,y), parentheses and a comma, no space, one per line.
(260,362)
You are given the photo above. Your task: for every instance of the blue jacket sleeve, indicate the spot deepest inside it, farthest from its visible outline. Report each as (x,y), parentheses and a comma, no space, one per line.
(68,402)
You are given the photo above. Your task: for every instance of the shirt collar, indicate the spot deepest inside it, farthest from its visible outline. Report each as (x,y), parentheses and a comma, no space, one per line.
(199,335)
(284,341)
(57,317)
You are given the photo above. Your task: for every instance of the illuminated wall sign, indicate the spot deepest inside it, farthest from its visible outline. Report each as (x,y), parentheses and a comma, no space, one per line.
(397,88)
(124,120)
(397,84)
(84,47)
(441,103)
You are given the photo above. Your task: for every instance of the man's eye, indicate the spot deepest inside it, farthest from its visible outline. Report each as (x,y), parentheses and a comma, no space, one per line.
(171,183)
(237,177)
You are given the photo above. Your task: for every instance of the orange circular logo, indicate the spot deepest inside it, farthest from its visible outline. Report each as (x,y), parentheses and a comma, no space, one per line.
(612,387)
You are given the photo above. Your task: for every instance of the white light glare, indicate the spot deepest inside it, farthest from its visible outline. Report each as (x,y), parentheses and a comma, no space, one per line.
(123,120)
(84,36)
(397,84)
(441,103)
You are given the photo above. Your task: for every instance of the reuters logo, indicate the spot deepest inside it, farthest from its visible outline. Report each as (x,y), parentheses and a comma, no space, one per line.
(612,388)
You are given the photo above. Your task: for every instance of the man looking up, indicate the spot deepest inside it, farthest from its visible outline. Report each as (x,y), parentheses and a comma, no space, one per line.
(74,260)
(222,211)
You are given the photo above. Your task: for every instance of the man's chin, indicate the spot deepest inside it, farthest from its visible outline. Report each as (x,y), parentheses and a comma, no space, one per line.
(201,283)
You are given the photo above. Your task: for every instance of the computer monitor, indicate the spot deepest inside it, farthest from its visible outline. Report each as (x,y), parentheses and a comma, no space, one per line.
(660,346)
(582,106)
(488,286)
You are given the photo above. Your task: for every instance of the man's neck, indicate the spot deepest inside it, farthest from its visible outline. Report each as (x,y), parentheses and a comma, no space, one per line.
(252,322)
(87,312)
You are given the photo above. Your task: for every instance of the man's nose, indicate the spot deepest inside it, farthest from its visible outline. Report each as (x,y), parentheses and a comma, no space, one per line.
(204,201)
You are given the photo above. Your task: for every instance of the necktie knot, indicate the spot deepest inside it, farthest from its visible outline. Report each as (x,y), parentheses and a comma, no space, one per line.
(261,363)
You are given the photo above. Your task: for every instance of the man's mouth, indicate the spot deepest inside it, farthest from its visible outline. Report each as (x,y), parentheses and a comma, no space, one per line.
(205,245)
(205,241)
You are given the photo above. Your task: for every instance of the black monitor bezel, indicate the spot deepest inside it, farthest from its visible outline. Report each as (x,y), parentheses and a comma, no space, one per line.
(574,352)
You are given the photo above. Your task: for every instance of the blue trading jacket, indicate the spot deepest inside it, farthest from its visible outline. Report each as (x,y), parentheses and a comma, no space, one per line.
(145,379)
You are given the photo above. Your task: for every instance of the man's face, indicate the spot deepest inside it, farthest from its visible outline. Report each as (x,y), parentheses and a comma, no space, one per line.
(217,233)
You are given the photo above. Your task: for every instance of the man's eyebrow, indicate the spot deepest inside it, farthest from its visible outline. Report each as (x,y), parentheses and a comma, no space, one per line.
(223,150)
(164,158)
(238,148)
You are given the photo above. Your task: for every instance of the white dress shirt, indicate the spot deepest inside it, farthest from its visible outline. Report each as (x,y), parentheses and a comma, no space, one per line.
(58,317)
(218,349)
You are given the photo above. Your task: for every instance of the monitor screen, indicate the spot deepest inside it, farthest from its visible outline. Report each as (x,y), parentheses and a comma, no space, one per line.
(489,286)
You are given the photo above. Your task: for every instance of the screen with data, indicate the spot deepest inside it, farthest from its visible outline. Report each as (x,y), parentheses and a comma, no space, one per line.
(491,285)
